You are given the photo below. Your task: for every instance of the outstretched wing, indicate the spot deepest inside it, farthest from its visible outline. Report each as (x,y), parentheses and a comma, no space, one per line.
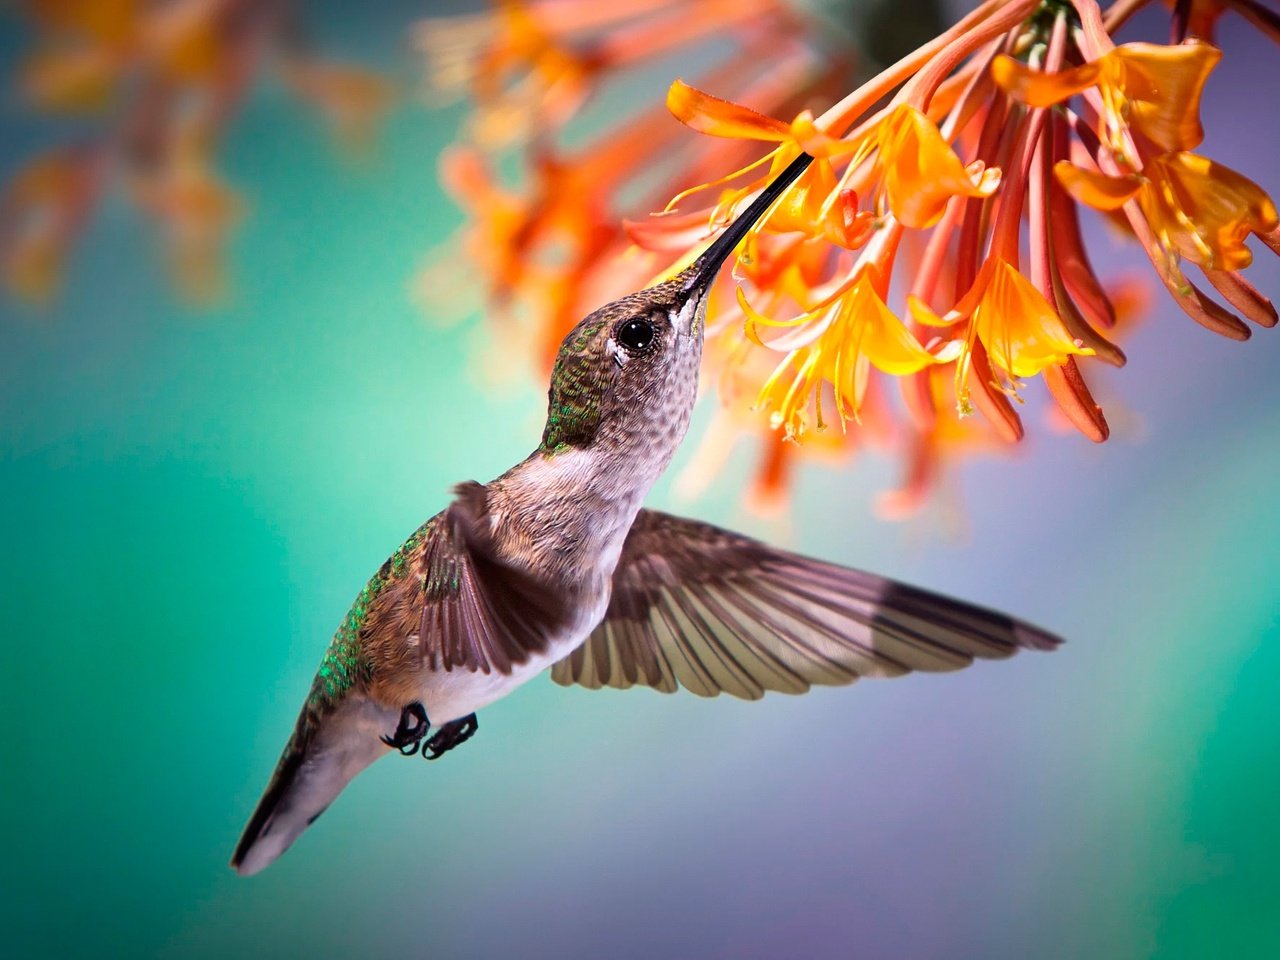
(706,609)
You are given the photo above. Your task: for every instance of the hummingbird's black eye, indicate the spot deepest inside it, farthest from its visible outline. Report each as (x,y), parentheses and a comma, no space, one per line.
(635,335)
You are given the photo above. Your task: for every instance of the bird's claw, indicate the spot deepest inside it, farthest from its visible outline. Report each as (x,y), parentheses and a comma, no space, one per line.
(452,734)
(412,728)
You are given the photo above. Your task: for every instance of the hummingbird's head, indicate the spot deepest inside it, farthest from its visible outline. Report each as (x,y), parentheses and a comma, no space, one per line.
(627,375)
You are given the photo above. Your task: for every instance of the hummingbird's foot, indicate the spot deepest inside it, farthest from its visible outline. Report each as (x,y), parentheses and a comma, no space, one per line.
(452,734)
(412,728)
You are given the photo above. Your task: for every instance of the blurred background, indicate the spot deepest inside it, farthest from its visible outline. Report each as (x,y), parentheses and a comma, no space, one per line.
(192,496)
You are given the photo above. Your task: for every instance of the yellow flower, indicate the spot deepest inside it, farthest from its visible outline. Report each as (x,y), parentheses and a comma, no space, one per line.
(1151,87)
(1198,209)
(922,173)
(1019,328)
(860,333)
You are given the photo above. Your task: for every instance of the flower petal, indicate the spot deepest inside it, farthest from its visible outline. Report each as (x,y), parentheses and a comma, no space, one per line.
(815,142)
(756,319)
(1162,85)
(1095,189)
(885,340)
(1036,88)
(800,208)
(921,171)
(1022,332)
(1204,211)
(922,314)
(844,224)
(722,118)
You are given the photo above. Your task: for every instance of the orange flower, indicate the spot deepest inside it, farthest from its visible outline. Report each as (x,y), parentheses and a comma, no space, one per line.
(816,204)
(1151,87)
(196,211)
(1020,330)
(922,173)
(173,75)
(1198,209)
(79,79)
(40,212)
(531,65)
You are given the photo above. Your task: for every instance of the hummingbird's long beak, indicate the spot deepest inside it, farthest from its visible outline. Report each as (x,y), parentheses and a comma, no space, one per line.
(703,270)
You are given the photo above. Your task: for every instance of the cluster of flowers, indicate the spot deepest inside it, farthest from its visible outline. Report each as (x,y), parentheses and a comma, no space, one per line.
(949,186)
(150,88)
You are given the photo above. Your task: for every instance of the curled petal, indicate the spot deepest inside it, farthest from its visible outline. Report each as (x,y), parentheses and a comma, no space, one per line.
(1204,211)
(921,171)
(1095,189)
(964,307)
(923,314)
(756,319)
(1036,88)
(1162,85)
(722,118)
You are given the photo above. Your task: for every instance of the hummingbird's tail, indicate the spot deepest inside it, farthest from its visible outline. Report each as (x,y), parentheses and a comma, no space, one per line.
(325,752)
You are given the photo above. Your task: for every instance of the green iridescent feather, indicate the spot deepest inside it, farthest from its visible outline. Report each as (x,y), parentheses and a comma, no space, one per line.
(342,662)
(576,385)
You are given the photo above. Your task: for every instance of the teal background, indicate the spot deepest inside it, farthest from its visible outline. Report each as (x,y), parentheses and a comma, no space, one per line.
(190,500)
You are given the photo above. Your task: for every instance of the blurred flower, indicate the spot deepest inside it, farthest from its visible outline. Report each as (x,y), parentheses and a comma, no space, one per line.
(529,66)
(352,99)
(153,86)
(195,211)
(43,208)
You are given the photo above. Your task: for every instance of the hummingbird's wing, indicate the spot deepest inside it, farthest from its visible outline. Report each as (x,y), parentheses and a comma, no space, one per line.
(712,611)
(451,604)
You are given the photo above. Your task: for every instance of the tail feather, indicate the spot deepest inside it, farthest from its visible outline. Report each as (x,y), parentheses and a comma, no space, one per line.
(325,752)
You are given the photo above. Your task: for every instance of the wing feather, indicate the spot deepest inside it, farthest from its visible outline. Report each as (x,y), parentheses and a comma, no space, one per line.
(698,607)
(446,601)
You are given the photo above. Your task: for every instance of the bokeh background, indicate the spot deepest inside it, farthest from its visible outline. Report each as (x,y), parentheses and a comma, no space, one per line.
(190,500)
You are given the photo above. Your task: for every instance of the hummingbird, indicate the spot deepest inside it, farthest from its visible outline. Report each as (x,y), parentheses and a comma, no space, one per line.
(556,564)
